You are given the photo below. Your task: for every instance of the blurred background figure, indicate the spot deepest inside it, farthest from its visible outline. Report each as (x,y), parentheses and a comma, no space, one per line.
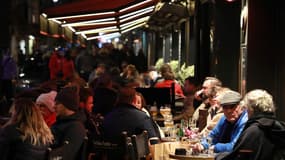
(56,64)
(46,103)
(97,72)
(167,79)
(8,76)
(153,75)
(191,85)
(25,135)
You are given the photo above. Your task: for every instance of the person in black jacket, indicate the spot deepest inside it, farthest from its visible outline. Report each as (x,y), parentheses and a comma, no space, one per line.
(126,117)
(263,134)
(25,136)
(68,125)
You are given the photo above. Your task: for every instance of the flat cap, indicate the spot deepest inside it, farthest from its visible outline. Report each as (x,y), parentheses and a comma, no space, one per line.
(230,97)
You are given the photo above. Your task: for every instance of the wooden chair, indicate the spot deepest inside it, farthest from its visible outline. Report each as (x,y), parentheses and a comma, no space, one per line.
(105,150)
(101,149)
(57,153)
(141,147)
(130,150)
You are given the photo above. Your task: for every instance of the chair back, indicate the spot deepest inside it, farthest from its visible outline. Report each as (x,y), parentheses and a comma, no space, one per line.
(57,153)
(141,147)
(83,150)
(113,151)
(130,150)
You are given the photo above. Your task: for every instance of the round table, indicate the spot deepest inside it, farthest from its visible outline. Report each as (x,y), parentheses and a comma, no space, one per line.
(191,157)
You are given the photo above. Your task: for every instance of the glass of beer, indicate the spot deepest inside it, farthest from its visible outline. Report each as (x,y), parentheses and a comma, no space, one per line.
(153,111)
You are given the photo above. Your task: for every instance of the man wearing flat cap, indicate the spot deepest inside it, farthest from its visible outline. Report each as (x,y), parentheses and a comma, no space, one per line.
(227,131)
(68,125)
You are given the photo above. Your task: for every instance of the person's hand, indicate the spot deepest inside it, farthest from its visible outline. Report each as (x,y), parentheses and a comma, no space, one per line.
(197,148)
(211,149)
(198,94)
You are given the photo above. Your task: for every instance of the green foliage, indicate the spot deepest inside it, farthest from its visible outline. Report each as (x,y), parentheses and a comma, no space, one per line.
(180,73)
(158,64)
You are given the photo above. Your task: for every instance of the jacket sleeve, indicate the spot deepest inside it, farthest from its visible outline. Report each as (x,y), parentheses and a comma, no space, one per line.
(214,134)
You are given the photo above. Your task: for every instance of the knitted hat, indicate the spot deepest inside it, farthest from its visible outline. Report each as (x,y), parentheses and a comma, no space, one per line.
(69,97)
(230,97)
(47,99)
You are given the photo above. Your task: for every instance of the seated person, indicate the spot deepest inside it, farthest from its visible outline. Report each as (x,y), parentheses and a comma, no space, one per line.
(191,85)
(126,117)
(68,125)
(225,134)
(104,95)
(25,135)
(255,142)
(140,103)
(209,89)
(46,104)
(168,79)
(215,112)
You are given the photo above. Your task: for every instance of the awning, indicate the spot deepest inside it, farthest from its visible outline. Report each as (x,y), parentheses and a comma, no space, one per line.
(93,19)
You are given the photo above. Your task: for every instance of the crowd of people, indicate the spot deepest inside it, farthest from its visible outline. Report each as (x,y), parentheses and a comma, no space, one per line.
(95,97)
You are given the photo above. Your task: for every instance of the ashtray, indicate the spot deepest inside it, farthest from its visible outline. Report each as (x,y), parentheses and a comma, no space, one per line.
(180,151)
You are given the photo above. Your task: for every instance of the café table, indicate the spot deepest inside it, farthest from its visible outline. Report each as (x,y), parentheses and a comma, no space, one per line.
(192,157)
(162,150)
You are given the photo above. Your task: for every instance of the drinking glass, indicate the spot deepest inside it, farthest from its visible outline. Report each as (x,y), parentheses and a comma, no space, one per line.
(153,111)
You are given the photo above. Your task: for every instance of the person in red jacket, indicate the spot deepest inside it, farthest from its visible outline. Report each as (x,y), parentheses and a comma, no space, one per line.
(61,65)
(68,68)
(168,79)
(55,64)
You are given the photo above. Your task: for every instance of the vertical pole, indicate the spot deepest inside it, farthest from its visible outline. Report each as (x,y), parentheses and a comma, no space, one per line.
(187,41)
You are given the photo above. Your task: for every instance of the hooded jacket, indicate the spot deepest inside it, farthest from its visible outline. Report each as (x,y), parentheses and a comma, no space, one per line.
(71,129)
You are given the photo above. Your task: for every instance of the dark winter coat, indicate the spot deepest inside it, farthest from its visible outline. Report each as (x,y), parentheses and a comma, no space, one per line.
(12,147)
(69,129)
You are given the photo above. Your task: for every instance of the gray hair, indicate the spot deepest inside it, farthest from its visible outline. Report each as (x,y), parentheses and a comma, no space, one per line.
(259,101)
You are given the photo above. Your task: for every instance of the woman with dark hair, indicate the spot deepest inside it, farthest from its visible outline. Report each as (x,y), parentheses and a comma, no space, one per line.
(25,136)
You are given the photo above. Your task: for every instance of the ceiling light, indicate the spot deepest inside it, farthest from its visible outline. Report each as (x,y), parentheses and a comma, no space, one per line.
(136,26)
(133,6)
(138,11)
(131,25)
(91,21)
(97,30)
(89,24)
(84,15)
(134,16)
(111,35)
(56,21)
(135,21)
(72,29)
